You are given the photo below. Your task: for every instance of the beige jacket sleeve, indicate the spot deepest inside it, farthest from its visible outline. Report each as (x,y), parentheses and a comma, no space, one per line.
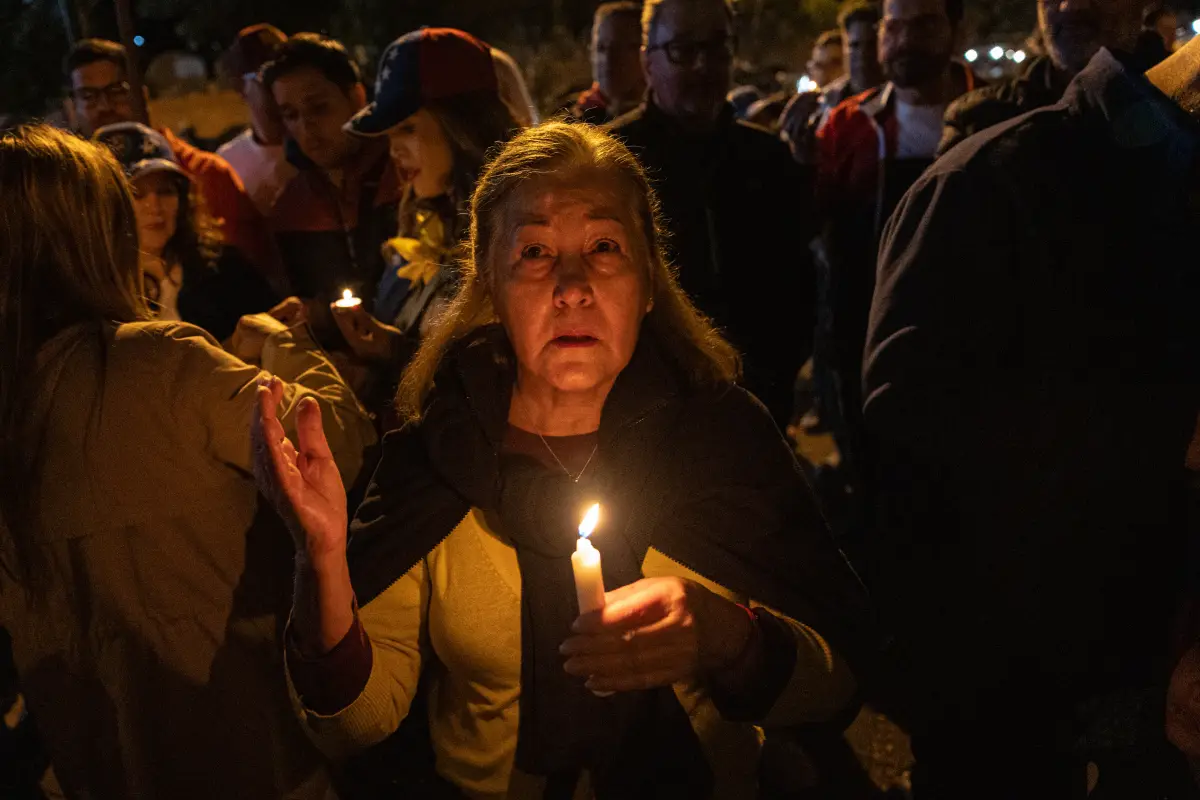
(206,383)
(821,682)
(395,626)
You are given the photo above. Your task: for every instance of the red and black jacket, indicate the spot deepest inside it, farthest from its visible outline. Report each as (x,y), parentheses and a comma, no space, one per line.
(330,237)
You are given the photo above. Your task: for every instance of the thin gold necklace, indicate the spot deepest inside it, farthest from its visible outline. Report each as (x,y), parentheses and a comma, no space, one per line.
(554,455)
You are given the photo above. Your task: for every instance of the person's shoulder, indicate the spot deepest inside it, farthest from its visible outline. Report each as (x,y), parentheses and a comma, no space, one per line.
(637,132)
(296,199)
(984,96)
(160,336)
(633,127)
(727,399)
(987,106)
(759,139)
(242,142)
(634,117)
(855,108)
(849,123)
(1008,143)
(727,419)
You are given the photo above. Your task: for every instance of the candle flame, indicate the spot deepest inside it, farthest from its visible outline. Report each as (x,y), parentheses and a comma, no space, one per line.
(589,521)
(347,294)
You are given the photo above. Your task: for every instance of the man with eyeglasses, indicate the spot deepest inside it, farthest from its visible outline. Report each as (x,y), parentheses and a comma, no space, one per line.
(258,153)
(1072,31)
(735,203)
(618,84)
(100,96)
(869,151)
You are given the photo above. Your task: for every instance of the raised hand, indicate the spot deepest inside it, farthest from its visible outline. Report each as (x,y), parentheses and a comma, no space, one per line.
(302,482)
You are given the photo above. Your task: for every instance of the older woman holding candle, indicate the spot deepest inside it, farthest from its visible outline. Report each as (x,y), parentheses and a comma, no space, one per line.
(569,369)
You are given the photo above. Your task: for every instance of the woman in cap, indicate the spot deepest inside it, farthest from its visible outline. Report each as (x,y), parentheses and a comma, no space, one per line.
(438,100)
(190,273)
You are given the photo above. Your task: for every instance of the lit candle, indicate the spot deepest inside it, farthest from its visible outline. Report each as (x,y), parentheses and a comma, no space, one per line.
(585,563)
(348,300)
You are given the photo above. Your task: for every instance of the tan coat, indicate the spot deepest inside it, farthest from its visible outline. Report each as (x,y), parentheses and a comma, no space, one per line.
(153,665)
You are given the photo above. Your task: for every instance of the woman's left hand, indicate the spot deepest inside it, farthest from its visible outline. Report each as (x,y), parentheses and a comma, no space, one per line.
(653,633)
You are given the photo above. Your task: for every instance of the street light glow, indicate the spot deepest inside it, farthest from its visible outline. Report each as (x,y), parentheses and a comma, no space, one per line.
(1019,56)
(971,55)
(1196,25)
(996,53)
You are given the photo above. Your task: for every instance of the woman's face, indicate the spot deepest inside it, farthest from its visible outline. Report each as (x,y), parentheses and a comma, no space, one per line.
(422,154)
(570,291)
(156,204)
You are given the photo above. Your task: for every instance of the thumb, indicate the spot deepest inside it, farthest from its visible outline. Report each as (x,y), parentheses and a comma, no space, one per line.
(310,432)
(343,320)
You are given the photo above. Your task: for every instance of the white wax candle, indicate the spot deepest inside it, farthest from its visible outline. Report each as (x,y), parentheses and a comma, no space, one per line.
(589,581)
(585,563)
(348,300)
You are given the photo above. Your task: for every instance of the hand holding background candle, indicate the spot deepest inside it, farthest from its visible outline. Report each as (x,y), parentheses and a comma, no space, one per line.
(348,300)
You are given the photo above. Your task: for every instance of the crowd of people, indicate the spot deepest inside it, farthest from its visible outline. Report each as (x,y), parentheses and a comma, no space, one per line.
(295,438)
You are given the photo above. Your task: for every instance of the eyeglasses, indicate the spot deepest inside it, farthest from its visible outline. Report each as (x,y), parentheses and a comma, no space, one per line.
(683,53)
(114,93)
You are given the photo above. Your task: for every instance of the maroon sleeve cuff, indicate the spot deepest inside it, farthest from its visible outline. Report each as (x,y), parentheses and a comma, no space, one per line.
(330,683)
(753,702)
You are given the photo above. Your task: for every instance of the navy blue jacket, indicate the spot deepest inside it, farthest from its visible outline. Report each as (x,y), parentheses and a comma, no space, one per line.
(1031,386)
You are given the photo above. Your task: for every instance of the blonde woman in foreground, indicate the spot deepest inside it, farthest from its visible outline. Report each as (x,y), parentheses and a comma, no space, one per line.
(143,583)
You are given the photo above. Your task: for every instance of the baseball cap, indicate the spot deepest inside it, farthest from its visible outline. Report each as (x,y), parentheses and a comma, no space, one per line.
(253,47)
(139,149)
(427,64)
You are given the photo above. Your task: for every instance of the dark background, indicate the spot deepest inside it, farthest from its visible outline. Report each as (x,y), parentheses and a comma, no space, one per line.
(539,33)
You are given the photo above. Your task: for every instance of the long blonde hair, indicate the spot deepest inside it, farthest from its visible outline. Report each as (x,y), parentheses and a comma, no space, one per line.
(69,256)
(558,150)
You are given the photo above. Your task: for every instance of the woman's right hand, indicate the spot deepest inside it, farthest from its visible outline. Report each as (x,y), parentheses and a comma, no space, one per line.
(302,482)
(368,338)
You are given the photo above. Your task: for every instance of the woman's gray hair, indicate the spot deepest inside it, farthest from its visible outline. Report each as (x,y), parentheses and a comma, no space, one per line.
(561,153)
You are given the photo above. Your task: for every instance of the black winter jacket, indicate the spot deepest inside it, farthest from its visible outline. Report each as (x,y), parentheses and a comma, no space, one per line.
(1031,388)
(1039,84)
(739,213)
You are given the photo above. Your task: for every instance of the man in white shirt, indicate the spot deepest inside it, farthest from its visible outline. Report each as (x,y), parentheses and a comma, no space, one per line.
(257,155)
(870,150)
